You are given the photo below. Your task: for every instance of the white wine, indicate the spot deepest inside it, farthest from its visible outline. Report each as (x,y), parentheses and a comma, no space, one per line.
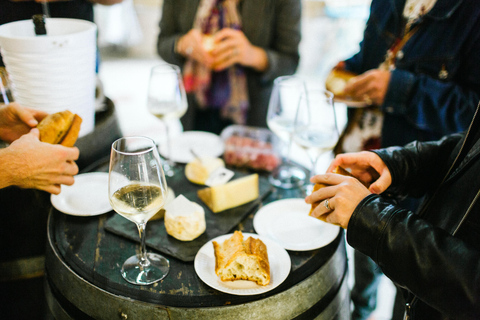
(283,128)
(315,141)
(165,110)
(138,202)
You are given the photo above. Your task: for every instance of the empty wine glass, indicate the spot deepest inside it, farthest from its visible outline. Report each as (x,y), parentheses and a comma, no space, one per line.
(282,109)
(167,100)
(137,190)
(315,126)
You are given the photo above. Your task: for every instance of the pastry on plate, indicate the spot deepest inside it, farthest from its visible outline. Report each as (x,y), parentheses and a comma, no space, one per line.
(238,259)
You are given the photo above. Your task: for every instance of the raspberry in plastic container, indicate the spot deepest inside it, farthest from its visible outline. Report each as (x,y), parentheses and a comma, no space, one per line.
(251,147)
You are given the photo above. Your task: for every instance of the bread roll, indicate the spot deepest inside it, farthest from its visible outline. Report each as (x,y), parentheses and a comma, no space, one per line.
(236,259)
(337,81)
(207,42)
(60,128)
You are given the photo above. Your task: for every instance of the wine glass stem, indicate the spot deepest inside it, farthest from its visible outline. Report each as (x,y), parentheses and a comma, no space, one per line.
(314,160)
(169,162)
(289,148)
(143,249)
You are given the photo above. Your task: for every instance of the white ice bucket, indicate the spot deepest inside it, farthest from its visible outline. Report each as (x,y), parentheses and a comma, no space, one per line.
(53,72)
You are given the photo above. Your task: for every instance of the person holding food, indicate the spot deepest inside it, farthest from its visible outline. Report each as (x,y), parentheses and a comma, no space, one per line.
(230,51)
(419,70)
(27,162)
(433,255)
(31,171)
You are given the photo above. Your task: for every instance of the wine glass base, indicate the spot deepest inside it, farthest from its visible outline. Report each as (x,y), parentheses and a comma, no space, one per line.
(288,176)
(155,271)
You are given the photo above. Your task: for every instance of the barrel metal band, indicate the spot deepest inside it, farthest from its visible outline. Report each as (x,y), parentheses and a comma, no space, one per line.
(19,269)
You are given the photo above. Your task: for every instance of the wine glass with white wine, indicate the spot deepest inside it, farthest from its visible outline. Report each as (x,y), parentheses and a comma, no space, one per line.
(167,100)
(315,128)
(137,190)
(282,109)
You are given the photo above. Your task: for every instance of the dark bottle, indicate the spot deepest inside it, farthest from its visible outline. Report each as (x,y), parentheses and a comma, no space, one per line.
(39,22)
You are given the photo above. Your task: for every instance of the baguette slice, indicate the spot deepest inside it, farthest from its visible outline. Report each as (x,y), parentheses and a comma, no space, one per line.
(338,170)
(237,259)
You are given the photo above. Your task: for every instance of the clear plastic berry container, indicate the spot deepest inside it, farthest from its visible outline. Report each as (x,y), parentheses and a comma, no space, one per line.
(251,147)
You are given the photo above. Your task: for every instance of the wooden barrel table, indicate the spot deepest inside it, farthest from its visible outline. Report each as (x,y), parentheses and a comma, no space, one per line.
(84,259)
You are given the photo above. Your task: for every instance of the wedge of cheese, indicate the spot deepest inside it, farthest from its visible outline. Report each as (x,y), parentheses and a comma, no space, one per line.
(231,194)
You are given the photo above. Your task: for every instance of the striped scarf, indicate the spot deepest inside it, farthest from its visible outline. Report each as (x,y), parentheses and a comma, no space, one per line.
(225,90)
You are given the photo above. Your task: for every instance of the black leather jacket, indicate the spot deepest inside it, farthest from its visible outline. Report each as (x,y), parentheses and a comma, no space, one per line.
(433,254)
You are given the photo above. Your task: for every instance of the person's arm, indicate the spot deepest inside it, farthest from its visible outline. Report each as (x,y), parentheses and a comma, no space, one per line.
(440,269)
(419,166)
(283,54)
(172,28)
(29,163)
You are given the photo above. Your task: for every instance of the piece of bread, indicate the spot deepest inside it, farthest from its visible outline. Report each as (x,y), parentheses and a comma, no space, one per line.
(207,42)
(337,81)
(338,170)
(236,259)
(60,128)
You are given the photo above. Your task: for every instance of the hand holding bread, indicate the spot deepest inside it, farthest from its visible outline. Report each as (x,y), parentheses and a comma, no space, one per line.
(336,196)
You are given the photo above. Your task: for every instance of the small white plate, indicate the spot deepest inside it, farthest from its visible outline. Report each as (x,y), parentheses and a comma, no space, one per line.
(287,222)
(88,196)
(278,258)
(202,143)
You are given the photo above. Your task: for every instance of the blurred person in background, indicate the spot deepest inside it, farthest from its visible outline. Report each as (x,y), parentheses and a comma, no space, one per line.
(229,74)
(419,65)
(432,255)
(31,171)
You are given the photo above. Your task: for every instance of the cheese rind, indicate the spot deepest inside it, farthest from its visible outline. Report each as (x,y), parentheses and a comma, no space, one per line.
(232,194)
(184,220)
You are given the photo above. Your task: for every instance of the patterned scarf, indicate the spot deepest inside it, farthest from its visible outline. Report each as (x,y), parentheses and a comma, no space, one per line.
(227,89)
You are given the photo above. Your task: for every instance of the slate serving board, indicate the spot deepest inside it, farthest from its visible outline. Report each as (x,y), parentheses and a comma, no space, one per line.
(217,223)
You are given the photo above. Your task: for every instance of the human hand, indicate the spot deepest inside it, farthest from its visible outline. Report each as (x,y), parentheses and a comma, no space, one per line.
(191,46)
(343,193)
(367,167)
(232,47)
(370,86)
(16,121)
(39,165)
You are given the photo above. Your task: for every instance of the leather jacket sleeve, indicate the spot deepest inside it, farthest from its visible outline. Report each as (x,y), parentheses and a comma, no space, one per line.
(419,166)
(441,270)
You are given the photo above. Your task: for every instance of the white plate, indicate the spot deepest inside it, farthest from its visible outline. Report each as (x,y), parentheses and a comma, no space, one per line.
(287,222)
(278,258)
(202,143)
(88,196)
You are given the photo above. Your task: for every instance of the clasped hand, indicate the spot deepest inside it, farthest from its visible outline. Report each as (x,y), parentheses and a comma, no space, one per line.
(345,193)
(230,47)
